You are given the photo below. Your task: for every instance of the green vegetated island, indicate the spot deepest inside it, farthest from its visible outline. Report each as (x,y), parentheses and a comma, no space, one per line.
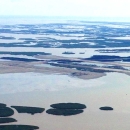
(25,53)
(5,112)
(68,106)
(18,127)
(29,110)
(59,109)
(7,120)
(67,52)
(106,108)
(66,109)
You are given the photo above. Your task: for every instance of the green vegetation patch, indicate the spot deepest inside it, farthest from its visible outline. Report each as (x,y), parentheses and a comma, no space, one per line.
(68,106)
(7,38)
(63,112)
(25,53)
(106,108)
(2,105)
(5,112)
(18,127)
(66,52)
(7,120)
(29,110)
(20,59)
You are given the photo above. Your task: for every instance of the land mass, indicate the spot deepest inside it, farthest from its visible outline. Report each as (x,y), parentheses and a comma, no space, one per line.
(29,110)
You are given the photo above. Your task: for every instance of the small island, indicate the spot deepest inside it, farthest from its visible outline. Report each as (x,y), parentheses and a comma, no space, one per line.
(7,120)
(7,38)
(63,112)
(67,52)
(68,106)
(6,111)
(18,127)
(25,53)
(20,59)
(29,110)
(82,53)
(106,108)
(2,105)
(66,109)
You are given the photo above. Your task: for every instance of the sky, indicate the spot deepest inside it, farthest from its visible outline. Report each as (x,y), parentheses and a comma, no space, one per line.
(85,8)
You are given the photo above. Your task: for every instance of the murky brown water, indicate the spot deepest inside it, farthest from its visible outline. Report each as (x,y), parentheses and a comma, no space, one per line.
(114,92)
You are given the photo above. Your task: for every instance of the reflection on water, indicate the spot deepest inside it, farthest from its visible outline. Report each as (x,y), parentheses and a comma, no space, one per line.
(24,82)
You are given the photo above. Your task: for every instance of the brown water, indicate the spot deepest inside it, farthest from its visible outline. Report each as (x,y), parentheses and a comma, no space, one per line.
(114,92)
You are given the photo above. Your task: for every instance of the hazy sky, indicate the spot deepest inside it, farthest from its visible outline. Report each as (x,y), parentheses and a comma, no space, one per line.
(107,8)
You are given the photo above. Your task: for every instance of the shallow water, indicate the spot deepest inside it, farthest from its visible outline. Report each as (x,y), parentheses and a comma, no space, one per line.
(18,56)
(88,52)
(42,90)
(26,82)
(111,90)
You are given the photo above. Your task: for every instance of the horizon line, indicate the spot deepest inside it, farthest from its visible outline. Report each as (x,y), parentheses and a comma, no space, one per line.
(82,18)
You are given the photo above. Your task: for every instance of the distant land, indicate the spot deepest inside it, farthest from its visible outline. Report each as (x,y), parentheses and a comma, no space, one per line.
(64,73)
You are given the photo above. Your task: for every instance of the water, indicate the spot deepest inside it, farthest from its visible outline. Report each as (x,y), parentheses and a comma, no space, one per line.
(26,82)
(42,90)
(109,90)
